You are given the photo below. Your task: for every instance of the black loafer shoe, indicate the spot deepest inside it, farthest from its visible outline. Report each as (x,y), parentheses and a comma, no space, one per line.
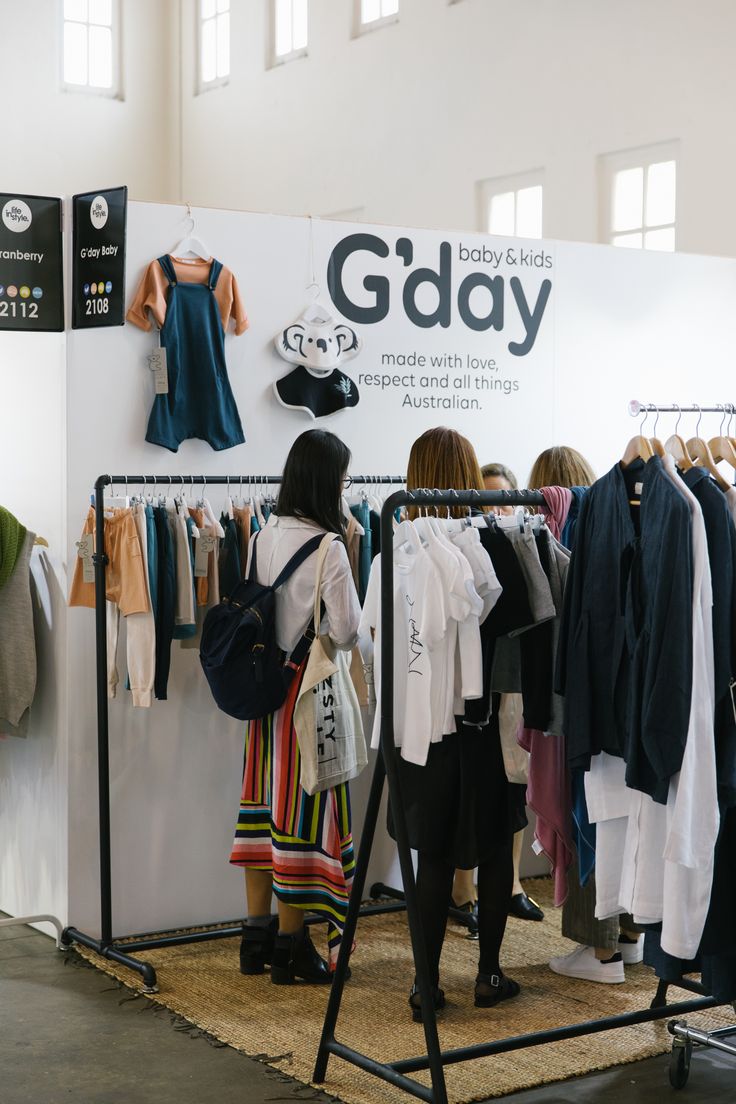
(256,947)
(298,958)
(524,908)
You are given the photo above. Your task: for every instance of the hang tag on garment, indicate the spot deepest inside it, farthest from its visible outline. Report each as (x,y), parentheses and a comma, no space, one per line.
(157,364)
(85,551)
(537,847)
(203,546)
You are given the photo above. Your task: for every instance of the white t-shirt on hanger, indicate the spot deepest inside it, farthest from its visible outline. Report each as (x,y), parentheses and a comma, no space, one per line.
(420,621)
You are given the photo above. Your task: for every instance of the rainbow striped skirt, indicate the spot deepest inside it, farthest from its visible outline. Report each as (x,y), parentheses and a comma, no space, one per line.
(305,841)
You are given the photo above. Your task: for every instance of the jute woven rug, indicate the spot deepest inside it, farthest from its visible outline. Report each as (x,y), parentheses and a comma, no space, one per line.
(281,1025)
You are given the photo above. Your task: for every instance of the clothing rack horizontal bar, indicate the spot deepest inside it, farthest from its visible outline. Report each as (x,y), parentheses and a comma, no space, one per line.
(224,480)
(464,498)
(556,1034)
(379,1069)
(636,408)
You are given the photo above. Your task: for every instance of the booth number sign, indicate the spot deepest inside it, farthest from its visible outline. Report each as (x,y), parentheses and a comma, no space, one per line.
(98,271)
(31,284)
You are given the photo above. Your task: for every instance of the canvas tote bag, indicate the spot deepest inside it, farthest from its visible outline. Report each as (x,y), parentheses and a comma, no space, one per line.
(327,717)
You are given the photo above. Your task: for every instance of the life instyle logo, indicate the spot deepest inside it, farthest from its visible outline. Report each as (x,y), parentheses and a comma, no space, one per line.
(483,300)
(17,216)
(98,212)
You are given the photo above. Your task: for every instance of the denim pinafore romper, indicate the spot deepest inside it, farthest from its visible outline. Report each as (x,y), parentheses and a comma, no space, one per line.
(200,402)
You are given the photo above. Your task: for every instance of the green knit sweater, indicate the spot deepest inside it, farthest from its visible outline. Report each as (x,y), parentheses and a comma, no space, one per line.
(12,536)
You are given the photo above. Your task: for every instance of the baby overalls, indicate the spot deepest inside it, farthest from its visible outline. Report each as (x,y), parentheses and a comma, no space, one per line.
(200,402)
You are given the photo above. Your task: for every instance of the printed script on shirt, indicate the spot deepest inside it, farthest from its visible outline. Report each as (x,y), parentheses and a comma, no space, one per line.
(416,647)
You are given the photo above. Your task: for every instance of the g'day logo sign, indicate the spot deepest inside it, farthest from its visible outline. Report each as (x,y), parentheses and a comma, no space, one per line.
(31,286)
(98,266)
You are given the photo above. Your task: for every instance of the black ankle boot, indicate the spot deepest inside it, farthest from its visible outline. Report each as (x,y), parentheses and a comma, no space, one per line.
(297,957)
(256,947)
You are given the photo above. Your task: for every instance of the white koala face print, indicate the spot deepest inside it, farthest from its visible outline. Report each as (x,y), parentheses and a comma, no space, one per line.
(318,341)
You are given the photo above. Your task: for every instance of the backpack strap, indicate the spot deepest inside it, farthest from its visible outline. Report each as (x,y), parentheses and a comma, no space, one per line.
(296,560)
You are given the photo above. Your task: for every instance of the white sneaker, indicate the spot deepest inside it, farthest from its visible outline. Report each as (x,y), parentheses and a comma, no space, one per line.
(631,953)
(582,963)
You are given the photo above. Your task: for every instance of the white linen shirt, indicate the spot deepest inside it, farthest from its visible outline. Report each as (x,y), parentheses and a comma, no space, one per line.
(276,543)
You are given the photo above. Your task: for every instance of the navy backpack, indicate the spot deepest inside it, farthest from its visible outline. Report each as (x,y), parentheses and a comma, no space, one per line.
(249,675)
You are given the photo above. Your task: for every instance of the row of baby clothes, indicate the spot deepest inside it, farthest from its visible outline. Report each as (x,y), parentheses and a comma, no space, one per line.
(162,573)
(162,577)
(647,659)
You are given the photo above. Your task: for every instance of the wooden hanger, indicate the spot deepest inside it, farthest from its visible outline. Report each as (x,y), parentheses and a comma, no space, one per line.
(722,447)
(699,450)
(639,447)
(41,542)
(676,447)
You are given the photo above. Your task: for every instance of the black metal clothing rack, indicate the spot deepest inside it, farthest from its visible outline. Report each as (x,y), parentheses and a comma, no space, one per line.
(107,945)
(436,1059)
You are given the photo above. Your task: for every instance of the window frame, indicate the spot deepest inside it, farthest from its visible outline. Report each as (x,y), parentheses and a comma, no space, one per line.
(116,91)
(275,59)
(639,157)
(361,28)
(500,185)
(203,86)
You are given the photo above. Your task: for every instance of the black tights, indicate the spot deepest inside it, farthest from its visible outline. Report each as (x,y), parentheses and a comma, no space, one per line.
(434,890)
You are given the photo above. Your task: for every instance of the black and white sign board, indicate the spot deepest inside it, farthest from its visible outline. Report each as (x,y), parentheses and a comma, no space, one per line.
(98,264)
(31,280)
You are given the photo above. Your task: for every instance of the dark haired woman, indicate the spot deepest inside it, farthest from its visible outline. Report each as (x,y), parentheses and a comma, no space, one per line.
(292,845)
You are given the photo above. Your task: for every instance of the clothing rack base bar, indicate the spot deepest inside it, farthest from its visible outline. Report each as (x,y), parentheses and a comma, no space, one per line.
(386,768)
(121,948)
(12,921)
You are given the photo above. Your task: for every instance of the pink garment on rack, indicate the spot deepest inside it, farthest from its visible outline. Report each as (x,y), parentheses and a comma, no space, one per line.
(558,500)
(548,795)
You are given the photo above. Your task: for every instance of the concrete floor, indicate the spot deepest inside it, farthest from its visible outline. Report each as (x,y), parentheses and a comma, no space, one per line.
(68,1035)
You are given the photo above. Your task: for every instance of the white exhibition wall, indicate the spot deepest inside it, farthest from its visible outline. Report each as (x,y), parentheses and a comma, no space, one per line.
(33,771)
(616,325)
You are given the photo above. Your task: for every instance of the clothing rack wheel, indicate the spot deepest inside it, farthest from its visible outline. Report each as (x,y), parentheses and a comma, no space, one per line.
(434,1059)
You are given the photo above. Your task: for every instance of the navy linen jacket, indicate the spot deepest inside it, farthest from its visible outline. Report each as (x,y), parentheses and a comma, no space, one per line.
(625,653)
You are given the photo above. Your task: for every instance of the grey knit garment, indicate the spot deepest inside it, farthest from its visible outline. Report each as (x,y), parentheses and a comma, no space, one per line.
(17,645)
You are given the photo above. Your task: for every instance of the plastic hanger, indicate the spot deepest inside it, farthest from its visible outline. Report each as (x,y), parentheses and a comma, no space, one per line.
(639,447)
(190,244)
(676,447)
(722,447)
(701,454)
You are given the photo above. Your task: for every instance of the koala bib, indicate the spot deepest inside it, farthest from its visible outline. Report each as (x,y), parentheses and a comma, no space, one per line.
(316,394)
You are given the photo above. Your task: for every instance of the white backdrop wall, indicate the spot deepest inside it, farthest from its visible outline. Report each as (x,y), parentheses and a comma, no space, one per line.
(405,120)
(617,324)
(57,141)
(33,771)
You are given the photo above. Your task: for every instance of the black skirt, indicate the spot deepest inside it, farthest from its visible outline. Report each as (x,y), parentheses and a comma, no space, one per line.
(460,806)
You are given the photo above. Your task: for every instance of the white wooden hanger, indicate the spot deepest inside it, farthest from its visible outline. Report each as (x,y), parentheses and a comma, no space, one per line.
(190,244)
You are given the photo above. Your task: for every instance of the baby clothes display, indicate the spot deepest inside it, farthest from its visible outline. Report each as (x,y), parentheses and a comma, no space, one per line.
(318,344)
(192,303)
